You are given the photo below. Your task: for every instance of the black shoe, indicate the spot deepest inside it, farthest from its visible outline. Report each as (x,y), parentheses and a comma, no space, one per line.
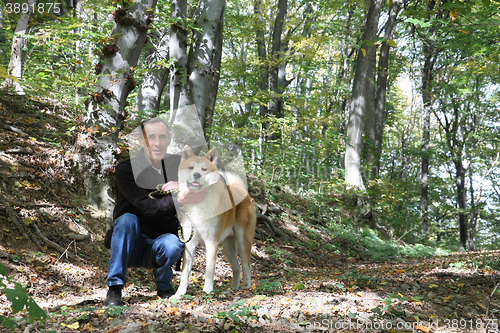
(114,296)
(166,293)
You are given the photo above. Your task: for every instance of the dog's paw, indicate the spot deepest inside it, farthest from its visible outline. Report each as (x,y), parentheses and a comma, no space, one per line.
(175,297)
(245,286)
(235,285)
(208,289)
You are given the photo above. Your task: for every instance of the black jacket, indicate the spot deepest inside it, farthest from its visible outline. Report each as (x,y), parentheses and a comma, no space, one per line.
(156,216)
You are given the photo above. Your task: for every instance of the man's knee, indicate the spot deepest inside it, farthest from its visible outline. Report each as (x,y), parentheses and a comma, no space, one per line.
(128,223)
(168,249)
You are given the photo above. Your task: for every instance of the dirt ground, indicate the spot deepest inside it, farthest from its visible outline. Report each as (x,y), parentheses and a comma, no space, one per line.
(52,244)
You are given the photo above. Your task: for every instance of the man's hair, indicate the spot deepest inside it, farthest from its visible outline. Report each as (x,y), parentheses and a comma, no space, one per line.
(154,121)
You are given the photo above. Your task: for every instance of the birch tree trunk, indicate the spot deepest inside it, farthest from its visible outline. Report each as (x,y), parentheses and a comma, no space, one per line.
(195,77)
(362,94)
(205,58)
(178,56)
(96,144)
(148,99)
(15,68)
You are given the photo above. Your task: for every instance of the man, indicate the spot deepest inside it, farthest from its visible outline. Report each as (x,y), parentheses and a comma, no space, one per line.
(145,229)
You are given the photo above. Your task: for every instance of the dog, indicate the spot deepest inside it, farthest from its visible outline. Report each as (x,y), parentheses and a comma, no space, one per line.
(221,212)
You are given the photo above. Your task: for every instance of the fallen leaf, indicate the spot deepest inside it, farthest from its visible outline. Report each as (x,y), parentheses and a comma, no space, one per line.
(74,326)
(481,305)
(172,311)
(299,286)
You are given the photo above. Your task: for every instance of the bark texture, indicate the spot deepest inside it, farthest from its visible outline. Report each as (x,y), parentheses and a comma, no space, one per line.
(148,100)
(97,143)
(362,97)
(377,119)
(195,75)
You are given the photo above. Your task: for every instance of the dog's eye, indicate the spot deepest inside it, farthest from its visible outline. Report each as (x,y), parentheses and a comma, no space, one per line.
(203,169)
(191,168)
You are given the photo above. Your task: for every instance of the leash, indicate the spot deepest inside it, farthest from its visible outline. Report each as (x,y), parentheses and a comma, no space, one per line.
(181,231)
(159,192)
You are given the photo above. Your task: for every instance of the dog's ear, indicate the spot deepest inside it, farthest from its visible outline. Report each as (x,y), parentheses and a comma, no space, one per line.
(212,156)
(186,153)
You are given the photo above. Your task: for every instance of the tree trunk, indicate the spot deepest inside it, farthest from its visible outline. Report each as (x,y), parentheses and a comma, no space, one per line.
(430,55)
(148,99)
(427,77)
(461,202)
(214,85)
(195,77)
(264,74)
(363,85)
(381,90)
(368,134)
(474,211)
(15,68)
(178,57)
(276,71)
(97,142)
(424,171)
(205,58)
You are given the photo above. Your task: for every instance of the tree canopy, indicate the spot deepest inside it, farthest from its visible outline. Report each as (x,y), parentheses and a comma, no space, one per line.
(409,87)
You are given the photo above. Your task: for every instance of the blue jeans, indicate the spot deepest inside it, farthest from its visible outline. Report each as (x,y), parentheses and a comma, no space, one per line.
(131,248)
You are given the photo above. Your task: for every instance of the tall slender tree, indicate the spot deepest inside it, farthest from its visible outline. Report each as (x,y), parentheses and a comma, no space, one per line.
(363,94)
(375,121)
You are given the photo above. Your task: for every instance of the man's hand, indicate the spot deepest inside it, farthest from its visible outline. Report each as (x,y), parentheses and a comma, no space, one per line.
(170,186)
(189,197)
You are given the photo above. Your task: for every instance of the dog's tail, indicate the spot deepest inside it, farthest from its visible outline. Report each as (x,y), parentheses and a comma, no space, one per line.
(237,187)
(234,179)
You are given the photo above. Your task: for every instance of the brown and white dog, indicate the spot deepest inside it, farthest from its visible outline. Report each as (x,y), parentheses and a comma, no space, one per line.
(220,212)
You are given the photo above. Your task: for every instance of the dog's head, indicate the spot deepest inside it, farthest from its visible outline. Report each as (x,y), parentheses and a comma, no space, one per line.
(197,172)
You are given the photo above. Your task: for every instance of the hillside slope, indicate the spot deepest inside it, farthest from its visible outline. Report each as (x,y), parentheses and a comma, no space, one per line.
(306,277)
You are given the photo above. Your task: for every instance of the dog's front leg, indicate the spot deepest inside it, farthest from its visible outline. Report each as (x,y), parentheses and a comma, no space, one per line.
(187,265)
(211,248)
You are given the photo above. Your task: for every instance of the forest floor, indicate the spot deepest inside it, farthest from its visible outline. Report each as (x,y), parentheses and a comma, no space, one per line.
(51,243)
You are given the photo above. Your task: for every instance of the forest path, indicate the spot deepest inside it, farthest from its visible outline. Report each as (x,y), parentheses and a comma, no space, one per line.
(437,294)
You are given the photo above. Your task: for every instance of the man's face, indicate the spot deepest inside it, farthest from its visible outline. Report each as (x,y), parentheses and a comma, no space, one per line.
(155,142)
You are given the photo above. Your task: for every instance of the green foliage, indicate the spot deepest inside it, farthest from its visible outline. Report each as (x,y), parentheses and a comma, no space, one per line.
(367,244)
(20,300)
(61,51)
(396,204)
(389,306)
(478,263)
(267,287)
(238,312)
(114,311)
